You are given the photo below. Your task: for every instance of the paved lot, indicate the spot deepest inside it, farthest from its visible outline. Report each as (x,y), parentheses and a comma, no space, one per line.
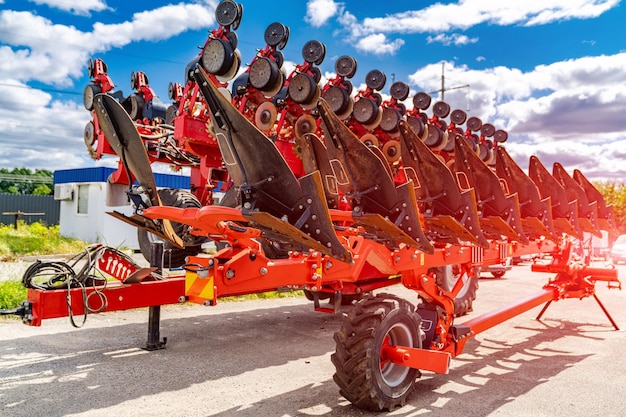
(272,358)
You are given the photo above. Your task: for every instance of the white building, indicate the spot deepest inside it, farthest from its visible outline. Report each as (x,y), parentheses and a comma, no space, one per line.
(83,212)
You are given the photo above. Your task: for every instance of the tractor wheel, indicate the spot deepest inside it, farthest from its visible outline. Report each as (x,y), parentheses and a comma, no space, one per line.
(498,274)
(446,278)
(365,378)
(173,255)
(346,299)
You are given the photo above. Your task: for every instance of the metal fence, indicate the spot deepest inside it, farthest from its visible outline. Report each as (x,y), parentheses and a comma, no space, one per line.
(33,208)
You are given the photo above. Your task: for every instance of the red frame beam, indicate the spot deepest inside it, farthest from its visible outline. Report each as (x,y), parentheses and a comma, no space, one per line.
(50,304)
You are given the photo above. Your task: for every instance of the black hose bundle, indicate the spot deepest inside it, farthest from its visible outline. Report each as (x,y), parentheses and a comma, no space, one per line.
(80,271)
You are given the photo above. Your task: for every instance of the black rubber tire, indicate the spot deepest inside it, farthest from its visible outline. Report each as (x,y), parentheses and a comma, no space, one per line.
(447,276)
(498,274)
(357,359)
(173,255)
(346,299)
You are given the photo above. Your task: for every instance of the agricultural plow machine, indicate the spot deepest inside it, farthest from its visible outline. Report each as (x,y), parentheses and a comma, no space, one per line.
(329,190)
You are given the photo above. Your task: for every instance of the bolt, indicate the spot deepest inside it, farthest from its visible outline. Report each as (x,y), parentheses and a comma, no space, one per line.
(263,270)
(182,299)
(314,266)
(230,274)
(425,280)
(329,264)
(247,205)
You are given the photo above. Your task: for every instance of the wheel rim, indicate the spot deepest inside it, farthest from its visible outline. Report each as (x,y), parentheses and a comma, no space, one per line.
(391,373)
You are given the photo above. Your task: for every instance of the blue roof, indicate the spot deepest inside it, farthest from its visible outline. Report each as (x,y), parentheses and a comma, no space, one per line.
(100,174)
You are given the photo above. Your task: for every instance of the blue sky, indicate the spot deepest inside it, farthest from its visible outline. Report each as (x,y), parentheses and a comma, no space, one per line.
(552,72)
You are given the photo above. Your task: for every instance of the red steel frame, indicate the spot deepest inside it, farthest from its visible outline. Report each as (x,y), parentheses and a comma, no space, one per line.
(243,269)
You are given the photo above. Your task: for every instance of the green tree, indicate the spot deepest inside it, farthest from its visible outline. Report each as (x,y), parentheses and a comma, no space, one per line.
(614,194)
(25,181)
(42,189)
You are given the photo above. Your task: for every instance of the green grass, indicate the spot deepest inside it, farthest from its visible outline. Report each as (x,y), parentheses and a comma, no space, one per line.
(12,293)
(29,240)
(35,239)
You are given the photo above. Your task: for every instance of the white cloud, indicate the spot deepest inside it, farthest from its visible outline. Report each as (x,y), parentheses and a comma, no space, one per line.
(569,111)
(38,131)
(63,50)
(378,44)
(467,13)
(78,7)
(464,14)
(453,39)
(318,12)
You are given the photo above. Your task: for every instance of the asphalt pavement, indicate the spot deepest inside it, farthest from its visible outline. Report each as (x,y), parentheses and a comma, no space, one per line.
(272,358)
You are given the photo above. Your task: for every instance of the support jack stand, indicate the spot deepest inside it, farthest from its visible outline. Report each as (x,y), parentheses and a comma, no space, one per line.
(606,312)
(154,314)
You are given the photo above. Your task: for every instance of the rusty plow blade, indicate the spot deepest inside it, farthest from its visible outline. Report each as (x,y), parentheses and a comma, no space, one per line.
(450,213)
(270,195)
(587,211)
(606,219)
(387,212)
(536,211)
(124,139)
(564,212)
(500,213)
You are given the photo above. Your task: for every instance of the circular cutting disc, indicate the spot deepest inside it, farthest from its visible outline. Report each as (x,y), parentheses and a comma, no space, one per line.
(488,130)
(302,88)
(422,100)
(365,111)
(90,68)
(399,90)
(391,118)
(217,57)
(226,13)
(89,94)
(264,74)
(474,124)
(265,116)
(376,80)
(314,52)
(369,139)
(337,98)
(391,150)
(345,66)
(441,109)
(500,136)
(304,124)
(458,117)
(275,34)
(416,124)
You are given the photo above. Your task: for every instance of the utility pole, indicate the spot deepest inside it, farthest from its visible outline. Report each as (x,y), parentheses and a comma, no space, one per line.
(443,84)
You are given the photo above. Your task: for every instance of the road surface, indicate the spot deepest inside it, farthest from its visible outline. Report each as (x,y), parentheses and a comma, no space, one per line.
(272,358)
